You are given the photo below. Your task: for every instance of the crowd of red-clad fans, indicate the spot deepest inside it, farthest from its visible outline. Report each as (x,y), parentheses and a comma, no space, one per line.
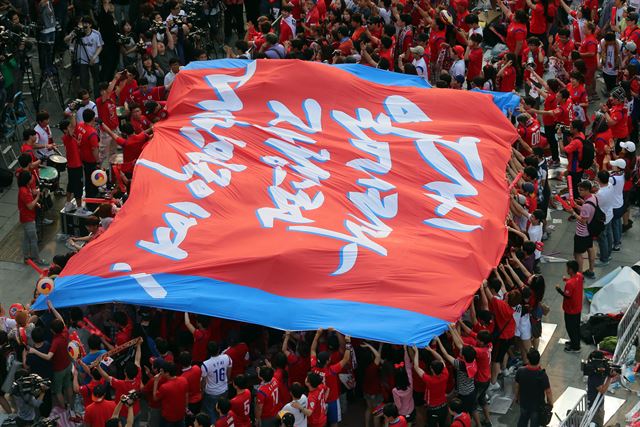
(200,371)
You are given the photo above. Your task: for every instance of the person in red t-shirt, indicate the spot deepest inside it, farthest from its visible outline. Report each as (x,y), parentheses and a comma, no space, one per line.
(241,403)
(144,93)
(62,385)
(316,410)
(267,398)
(89,142)
(589,53)
(154,404)
(74,163)
(132,146)
(106,106)
(298,364)
(507,73)
(517,30)
(460,418)
(200,334)
(28,199)
(435,395)
(473,55)
(279,364)
(101,410)
(139,121)
(320,364)
(226,417)
(392,417)
(192,373)
(572,305)
(155,111)
(615,111)
(173,395)
(132,380)
(238,351)
(127,85)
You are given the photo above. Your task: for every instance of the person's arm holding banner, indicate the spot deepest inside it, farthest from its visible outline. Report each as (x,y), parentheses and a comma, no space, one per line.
(443,351)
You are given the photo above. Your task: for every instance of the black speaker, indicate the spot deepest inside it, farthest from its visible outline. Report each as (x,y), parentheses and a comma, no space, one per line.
(6,178)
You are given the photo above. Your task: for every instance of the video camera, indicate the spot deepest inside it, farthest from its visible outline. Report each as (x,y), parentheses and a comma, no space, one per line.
(123,40)
(130,397)
(157,27)
(74,104)
(32,384)
(600,365)
(46,422)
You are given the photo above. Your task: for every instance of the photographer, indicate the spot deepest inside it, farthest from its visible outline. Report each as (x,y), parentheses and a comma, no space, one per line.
(150,71)
(599,375)
(47,34)
(115,420)
(87,47)
(83,102)
(27,398)
(127,43)
(163,52)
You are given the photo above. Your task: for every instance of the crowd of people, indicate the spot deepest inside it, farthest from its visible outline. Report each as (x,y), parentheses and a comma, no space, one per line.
(114,365)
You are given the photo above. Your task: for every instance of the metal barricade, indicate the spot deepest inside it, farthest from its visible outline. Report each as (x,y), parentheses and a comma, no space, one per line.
(576,414)
(628,330)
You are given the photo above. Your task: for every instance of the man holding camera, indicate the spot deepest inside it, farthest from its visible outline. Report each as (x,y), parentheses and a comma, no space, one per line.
(88,45)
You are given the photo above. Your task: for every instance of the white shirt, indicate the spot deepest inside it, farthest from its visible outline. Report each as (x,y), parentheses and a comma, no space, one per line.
(90,106)
(458,68)
(535,235)
(421,68)
(300,418)
(475,31)
(606,198)
(43,139)
(617,182)
(89,47)
(609,64)
(214,370)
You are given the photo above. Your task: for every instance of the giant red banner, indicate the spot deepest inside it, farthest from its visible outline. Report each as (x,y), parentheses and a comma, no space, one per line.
(299,195)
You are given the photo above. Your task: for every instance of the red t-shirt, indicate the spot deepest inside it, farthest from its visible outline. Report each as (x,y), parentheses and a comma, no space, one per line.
(503,314)
(631,33)
(462,420)
(474,69)
(131,149)
(565,50)
(200,337)
(508,80)
(122,387)
(193,375)
(24,198)
(153,94)
(148,392)
(436,388)
(330,375)
(538,23)
(241,407)
(483,361)
(60,359)
(88,141)
(298,367)
(239,355)
(267,395)
(172,397)
(590,45)
(574,153)
(72,150)
(28,148)
(124,334)
(141,124)
(86,391)
(371,384)
(107,111)
(283,387)
(620,128)
(600,142)
(516,32)
(436,38)
(98,413)
(126,91)
(317,404)
(572,303)
(226,420)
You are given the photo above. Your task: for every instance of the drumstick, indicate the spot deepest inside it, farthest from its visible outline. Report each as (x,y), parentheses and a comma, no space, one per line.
(515,181)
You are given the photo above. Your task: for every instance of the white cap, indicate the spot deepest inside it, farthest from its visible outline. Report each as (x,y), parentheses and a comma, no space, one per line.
(628,145)
(619,163)
(630,46)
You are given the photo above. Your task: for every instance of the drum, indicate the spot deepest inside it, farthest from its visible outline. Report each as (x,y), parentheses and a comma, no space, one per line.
(116,159)
(58,162)
(48,175)
(121,112)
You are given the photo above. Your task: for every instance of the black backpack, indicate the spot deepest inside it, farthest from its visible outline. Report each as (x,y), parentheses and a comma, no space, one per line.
(588,153)
(596,225)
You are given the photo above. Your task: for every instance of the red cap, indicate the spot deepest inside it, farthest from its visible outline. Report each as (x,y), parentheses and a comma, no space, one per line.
(459,50)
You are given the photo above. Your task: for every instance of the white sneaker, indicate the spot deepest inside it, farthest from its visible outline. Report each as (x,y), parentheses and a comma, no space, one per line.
(509,372)
(493,387)
(69,207)
(83,212)
(47,221)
